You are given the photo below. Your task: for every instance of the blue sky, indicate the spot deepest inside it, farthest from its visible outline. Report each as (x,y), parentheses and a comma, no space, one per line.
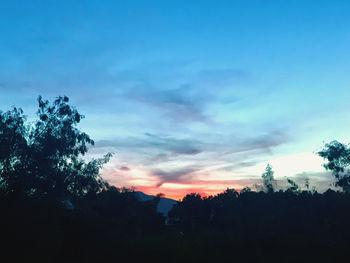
(190,95)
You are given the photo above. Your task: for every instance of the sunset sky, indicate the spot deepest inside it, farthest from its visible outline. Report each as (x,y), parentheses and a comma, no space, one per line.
(192,96)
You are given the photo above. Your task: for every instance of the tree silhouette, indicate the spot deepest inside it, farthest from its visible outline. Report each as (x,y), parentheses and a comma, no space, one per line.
(293,186)
(338,157)
(193,211)
(268,179)
(44,158)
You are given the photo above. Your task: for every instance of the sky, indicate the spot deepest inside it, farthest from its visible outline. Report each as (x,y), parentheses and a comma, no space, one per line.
(191,96)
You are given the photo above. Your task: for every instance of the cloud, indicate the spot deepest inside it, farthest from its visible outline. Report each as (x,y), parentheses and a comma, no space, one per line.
(264,142)
(179,175)
(176,146)
(204,161)
(161,144)
(225,144)
(321,180)
(124,168)
(178,104)
(188,101)
(238,165)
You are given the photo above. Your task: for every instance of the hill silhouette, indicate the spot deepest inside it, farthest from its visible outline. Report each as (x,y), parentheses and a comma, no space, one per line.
(164,204)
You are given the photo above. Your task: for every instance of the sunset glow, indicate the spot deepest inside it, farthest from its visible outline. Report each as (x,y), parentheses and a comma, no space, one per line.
(191,97)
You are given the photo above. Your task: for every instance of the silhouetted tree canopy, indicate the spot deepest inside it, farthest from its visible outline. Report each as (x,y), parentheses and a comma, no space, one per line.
(293,187)
(269,180)
(44,158)
(338,159)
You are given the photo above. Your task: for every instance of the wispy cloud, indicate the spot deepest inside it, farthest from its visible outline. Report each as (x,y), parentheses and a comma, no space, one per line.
(162,144)
(124,168)
(183,162)
(177,104)
(178,175)
(264,142)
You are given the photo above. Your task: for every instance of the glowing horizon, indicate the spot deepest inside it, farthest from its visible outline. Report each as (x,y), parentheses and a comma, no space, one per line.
(298,166)
(191,96)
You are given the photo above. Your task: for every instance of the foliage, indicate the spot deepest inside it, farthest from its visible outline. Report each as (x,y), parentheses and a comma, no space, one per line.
(269,183)
(269,180)
(338,159)
(44,158)
(192,211)
(293,185)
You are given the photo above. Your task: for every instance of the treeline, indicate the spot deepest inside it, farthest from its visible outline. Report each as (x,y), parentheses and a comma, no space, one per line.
(114,225)
(283,225)
(97,227)
(55,206)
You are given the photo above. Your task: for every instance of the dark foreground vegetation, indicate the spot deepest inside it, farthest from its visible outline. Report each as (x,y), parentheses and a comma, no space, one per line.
(56,208)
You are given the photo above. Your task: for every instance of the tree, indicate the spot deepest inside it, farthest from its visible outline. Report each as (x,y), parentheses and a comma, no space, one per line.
(193,211)
(269,180)
(338,157)
(44,158)
(307,183)
(293,186)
